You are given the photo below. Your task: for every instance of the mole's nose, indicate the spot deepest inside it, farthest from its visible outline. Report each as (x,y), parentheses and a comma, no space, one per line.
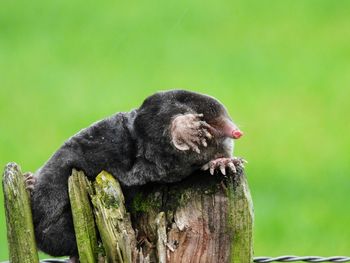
(236,134)
(230,129)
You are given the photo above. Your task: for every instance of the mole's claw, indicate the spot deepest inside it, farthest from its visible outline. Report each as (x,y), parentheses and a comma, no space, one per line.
(204,142)
(30,187)
(205,167)
(182,147)
(207,134)
(194,147)
(29,180)
(211,170)
(225,162)
(205,125)
(222,169)
(232,167)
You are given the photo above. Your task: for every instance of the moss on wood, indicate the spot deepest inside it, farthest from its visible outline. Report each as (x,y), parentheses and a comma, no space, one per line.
(83,218)
(20,231)
(112,221)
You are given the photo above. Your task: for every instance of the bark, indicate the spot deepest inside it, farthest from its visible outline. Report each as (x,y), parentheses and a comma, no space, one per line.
(20,231)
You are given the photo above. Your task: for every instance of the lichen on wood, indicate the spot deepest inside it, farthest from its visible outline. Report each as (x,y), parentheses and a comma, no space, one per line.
(83,218)
(20,231)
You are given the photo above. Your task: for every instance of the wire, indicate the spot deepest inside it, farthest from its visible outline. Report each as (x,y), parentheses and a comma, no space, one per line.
(256,259)
(303,259)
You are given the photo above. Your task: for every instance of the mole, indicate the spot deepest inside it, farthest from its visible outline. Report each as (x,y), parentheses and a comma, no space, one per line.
(171,135)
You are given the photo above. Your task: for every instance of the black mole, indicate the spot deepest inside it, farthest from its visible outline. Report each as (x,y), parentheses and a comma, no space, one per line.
(170,136)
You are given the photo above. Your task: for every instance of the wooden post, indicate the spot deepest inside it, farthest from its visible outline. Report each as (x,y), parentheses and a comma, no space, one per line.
(113,223)
(83,218)
(20,231)
(207,219)
(242,218)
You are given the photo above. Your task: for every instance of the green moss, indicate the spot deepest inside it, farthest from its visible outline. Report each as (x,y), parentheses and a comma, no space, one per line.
(108,190)
(142,203)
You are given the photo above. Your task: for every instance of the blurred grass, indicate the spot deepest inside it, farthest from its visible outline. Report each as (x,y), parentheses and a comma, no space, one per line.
(281,67)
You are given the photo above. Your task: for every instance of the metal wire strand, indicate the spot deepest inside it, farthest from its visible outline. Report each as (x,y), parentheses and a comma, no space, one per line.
(256,259)
(261,259)
(304,259)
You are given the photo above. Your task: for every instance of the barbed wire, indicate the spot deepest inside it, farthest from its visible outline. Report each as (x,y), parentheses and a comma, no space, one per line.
(304,259)
(256,259)
(263,259)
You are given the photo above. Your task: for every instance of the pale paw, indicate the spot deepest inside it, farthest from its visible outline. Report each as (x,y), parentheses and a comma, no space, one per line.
(189,132)
(222,164)
(29,180)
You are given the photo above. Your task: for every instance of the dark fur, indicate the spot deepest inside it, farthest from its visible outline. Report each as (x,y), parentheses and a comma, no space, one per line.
(135,146)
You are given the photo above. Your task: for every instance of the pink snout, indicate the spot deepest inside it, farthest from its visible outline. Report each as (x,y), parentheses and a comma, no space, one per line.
(229,129)
(236,134)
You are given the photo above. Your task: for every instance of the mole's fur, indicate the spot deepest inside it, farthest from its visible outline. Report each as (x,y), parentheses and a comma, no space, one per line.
(170,136)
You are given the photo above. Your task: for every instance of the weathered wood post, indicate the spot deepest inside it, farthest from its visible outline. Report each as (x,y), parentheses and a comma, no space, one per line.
(113,222)
(204,218)
(83,218)
(242,216)
(20,231)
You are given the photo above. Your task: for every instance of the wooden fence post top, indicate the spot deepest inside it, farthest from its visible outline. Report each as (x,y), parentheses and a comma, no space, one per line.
(20,231)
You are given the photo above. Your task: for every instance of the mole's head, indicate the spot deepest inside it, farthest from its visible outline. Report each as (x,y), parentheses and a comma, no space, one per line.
(156,115)
(214,113)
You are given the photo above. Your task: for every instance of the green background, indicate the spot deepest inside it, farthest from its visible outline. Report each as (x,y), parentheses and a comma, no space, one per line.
(282,68)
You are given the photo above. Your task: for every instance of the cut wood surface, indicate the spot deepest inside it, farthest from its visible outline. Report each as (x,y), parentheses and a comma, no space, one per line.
(20,231)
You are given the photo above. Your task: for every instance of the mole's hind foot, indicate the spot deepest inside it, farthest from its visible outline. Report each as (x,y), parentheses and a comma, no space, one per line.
(29,180)
(222,163)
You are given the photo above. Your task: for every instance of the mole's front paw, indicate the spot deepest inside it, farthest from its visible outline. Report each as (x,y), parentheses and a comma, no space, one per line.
(188,131)
(223,163)
(29,180)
